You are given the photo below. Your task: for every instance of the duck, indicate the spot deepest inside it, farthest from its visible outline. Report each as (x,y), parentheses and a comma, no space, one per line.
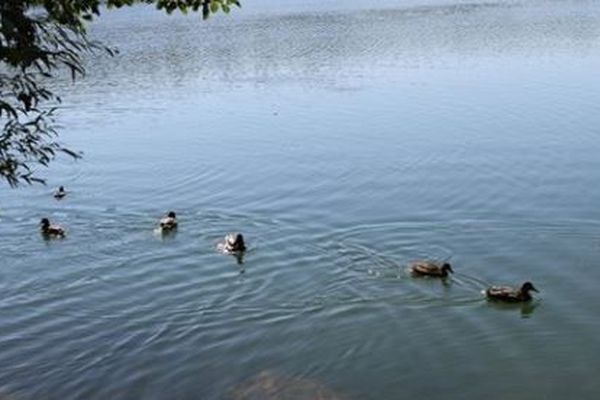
(234,243)
(168,222)
(509,294)
(60,193)
(431,268)
(50,230)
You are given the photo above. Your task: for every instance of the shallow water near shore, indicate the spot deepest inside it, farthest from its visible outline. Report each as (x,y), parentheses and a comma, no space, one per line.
(344,140)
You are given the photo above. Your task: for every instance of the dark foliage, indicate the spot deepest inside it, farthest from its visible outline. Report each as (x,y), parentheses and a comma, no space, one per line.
(39,38)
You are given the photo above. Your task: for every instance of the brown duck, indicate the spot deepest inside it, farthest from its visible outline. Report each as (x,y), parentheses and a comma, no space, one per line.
(509,294)
(235,243)
(430,268)
(51,231)
(168,222)
(60,193)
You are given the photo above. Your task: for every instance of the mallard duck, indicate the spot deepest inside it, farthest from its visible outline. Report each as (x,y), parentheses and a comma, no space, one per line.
(49,230)
(509,294)
(234,243)
(60,193)
(168,222)
(430,268)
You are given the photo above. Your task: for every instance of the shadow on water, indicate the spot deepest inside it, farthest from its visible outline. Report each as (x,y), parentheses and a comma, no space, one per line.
(49,239)
(268,385)
(445,281)
(166,235)
(239,258)
(526,309)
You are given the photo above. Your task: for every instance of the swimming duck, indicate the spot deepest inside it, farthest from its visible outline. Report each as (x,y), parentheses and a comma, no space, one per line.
(430,268)
(60,193)
(510,295)
(234,243)
(168,222)
(49,230)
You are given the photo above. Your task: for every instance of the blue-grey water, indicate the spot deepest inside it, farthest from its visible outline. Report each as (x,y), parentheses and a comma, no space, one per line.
(344,139)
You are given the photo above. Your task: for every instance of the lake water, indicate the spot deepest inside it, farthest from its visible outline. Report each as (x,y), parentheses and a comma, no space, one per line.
(344,139)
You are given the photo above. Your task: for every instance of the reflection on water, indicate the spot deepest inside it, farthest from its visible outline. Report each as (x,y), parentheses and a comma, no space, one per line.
(344,141)
(526,309)
(268,385)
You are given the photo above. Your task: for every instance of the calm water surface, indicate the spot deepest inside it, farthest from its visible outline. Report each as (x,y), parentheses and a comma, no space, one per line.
(345,139)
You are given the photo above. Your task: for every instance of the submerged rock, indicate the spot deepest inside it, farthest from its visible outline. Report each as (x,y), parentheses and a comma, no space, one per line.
(5,396)
(271,386)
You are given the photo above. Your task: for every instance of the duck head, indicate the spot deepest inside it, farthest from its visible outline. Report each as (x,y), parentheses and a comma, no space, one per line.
(239,241)
(61,189)
(447,267)
(171,214)
(45,224)
(527,287)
